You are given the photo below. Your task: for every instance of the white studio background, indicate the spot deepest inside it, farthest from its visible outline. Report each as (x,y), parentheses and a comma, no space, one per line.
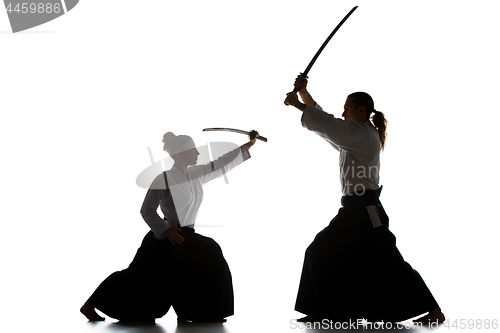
(84,96)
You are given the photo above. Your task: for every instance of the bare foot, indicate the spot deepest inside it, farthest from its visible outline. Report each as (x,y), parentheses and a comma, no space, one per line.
(89,312)
(310,318)
(434,316)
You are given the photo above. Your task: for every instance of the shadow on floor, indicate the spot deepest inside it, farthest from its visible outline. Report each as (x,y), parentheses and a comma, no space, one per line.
(221,328)
(119,327)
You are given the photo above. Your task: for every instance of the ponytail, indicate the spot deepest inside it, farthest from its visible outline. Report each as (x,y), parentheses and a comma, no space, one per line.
(378,118)
(380,123)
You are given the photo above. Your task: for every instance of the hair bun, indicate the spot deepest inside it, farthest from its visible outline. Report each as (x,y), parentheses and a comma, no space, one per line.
(168,137)
(174,144)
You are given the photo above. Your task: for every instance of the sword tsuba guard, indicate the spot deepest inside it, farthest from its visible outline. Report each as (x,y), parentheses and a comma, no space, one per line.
(252,135)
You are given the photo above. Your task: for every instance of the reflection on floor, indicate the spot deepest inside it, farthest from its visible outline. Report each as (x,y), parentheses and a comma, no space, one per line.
(235,325)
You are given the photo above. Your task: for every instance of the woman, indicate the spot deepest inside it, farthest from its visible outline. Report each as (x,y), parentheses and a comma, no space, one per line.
(174,265)
(353,269)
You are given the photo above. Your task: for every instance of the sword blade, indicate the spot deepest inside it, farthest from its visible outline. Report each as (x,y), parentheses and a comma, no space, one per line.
(324,44)
(233,130)
(226,129)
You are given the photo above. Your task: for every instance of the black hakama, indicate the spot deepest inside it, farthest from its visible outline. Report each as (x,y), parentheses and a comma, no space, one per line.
(193,277)
(353,269)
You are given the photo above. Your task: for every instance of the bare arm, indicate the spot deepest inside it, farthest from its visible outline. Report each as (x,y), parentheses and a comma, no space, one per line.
(253,136)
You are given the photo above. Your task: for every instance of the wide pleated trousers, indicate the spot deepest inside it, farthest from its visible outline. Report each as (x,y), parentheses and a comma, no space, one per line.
(192,277)
(353,269)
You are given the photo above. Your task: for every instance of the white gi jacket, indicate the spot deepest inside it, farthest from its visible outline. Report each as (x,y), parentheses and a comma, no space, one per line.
(181,199)
(358,144)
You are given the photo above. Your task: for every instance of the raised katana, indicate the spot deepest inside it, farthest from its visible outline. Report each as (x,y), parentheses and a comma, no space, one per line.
(323,46)
(251,134)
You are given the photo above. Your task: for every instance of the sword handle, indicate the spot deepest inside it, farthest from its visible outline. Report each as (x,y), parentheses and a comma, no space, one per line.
(295,90)
(253,135)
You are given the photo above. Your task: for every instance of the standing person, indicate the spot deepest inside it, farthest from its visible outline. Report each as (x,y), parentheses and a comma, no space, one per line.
(353,269)
(174,266)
